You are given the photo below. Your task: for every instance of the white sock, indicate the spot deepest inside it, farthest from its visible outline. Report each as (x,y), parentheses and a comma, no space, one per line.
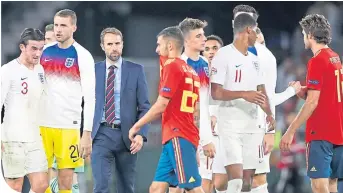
(260,189)
(234,186)
(31,191)
(218,191)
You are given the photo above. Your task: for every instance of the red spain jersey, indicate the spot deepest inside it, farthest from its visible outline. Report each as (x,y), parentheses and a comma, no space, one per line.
(180,83)
(325,73)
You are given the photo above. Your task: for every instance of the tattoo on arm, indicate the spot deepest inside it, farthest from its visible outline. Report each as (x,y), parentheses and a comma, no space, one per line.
(196,115)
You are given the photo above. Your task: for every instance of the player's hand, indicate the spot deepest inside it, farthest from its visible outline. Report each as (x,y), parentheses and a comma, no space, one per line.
(213,122)
(132,133)
(209,150)
(2,147)
(271,122)
(296,85)
(85,144)
(286,141)
(254,97)
(303,92)
(136,144)
(268,143)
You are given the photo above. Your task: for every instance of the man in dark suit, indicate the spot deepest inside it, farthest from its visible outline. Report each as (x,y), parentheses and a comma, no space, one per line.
(121,100)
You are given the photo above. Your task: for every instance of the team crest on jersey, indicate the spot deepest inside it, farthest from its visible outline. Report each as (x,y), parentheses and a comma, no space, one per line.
(41,77)
(69,62)
(257,66)
(206,71)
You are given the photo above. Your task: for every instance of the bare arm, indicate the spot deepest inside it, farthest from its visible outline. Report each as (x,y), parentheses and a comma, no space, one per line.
(218,93)
(154,112)
(266,105)
(306,111)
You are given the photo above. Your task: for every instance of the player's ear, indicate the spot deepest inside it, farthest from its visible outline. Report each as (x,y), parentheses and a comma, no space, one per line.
(169,45)
(102,46)
(22,47)
(74,28)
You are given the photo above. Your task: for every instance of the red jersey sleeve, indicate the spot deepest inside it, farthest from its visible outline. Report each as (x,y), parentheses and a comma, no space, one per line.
(315,74)
(170,80)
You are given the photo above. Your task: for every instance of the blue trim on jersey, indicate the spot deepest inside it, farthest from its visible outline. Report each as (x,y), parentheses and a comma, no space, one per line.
(252,50)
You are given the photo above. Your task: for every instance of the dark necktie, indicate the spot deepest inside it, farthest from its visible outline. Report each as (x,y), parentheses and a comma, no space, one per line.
(110,107)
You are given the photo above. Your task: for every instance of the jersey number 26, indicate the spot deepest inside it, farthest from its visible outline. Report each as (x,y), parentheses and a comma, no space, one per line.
(189,94)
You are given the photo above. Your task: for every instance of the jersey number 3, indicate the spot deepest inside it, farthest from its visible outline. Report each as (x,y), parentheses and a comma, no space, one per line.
(24,89)
(189,94)
(339,84)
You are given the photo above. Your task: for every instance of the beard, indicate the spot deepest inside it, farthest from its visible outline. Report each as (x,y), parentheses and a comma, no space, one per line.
(114,56)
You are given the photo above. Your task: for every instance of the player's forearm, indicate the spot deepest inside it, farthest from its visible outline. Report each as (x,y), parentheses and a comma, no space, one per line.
(155,112)
(285,95)
(266,106)
(304,114)
(226,95)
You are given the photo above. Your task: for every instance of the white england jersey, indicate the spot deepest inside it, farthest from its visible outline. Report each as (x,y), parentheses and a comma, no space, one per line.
(70,75)
(237,72)
(21,91)
(269,71)
(201,67)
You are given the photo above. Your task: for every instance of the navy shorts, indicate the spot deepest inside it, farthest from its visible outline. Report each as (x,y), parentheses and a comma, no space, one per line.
(324,160)
(178,165)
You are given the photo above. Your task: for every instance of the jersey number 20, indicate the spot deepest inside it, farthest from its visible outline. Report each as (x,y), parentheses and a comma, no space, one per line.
(339,84)
(189,94)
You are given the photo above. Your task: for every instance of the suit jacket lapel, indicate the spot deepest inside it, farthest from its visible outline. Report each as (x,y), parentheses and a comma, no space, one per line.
(102,81)
(124,75)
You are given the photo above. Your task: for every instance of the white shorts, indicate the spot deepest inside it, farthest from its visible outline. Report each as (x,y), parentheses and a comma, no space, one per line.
(263,167)
(206,163)
(239,148)
(22,158)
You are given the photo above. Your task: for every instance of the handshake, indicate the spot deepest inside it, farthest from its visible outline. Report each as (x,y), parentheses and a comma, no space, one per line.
(300,91)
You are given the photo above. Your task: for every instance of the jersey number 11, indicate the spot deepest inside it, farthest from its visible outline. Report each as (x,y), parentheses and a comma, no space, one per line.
(339,84)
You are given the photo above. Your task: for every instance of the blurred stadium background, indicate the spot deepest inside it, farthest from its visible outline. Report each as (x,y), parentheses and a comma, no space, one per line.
(141,21)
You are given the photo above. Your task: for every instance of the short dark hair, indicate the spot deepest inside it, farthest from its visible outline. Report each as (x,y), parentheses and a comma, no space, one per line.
(110,30)
(247,9)
(175,33)
(317,26)
(189,24)
(67,13)
(216,38)
(31,34)
(49,27)
(242,21)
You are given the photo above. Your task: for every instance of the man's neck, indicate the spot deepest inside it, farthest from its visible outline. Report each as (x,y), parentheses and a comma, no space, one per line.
(241,45)
(23,61)
(317,47)
(174,55)
(66,44)
(111,62)
(192,54)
